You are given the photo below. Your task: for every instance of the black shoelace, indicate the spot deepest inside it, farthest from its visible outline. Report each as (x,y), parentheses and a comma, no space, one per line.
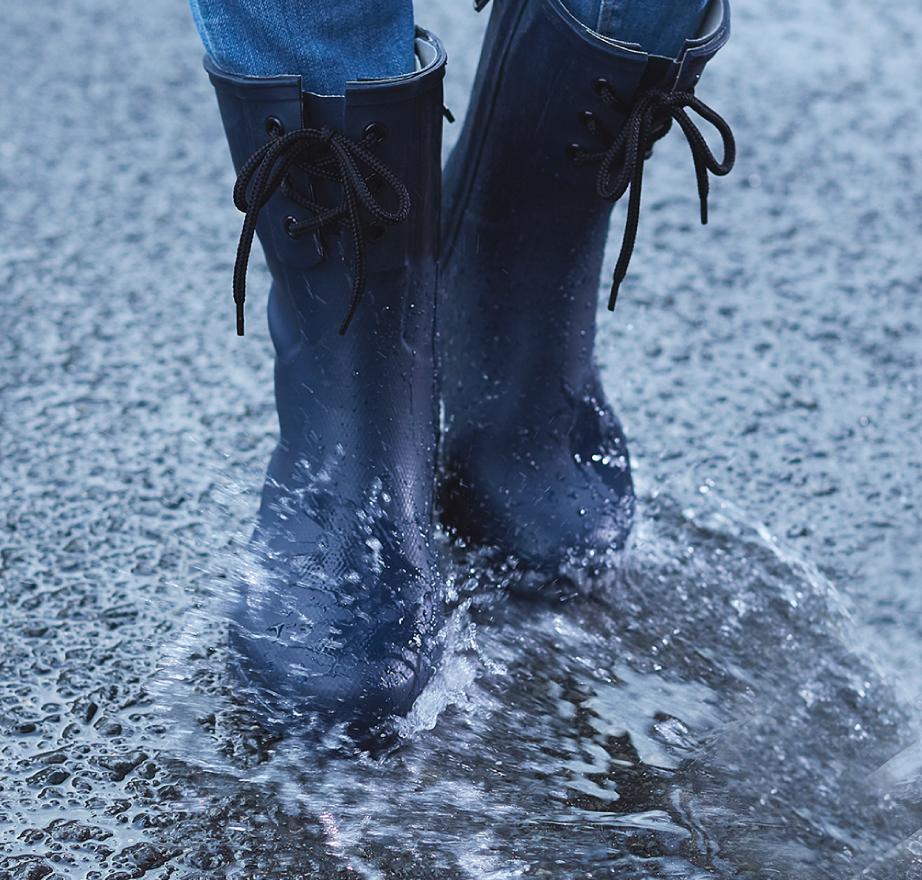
(649,117)
(329,155)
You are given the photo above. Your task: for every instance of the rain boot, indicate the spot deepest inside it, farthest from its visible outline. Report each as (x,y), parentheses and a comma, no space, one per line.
(339,614)
(534,462)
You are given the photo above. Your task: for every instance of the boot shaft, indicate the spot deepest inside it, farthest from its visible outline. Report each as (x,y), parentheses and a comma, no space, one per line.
(520,214)
(404,113)
(348,401)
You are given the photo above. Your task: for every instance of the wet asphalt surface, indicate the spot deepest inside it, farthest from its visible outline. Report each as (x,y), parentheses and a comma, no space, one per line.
(773,358)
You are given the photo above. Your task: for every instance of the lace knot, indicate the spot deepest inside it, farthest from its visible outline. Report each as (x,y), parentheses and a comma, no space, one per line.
(329,155)
(649,117)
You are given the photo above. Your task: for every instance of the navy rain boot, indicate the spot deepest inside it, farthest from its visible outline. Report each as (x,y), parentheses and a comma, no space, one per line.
(338,619)
(534,462)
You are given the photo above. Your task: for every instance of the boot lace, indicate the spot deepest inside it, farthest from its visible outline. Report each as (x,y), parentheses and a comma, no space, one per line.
(323,153)
(649,117)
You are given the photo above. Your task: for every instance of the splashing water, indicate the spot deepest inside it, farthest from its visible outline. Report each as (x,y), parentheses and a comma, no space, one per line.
(707,711)
(710,715)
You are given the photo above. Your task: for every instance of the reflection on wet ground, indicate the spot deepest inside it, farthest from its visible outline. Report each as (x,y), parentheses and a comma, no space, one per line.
(709,715)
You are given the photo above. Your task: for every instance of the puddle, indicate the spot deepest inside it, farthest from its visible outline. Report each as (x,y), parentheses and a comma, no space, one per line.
(711,714)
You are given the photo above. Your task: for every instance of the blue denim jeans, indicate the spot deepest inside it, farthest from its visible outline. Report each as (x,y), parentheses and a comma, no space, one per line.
(327,42)
(659,27)
(330,42)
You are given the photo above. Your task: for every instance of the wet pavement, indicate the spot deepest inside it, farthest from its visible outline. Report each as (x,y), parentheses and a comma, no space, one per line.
(721,713)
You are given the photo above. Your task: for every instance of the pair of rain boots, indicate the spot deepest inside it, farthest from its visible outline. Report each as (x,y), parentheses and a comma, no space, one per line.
(339,616)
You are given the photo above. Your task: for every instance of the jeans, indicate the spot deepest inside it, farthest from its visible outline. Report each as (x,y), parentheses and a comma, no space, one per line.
(331,42)
(327,42)
(659,27)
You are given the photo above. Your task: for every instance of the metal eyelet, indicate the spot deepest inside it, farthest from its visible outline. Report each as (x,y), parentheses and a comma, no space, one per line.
(377,131)
(375,232)
(573,151)
(274,127)
(587,118)
(288,222)
(600,84)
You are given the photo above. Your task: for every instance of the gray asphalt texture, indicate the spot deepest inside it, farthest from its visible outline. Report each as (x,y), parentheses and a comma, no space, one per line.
(772,358)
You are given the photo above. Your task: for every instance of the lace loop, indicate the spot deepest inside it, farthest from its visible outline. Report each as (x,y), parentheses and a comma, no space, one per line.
(326,154)
(649,117)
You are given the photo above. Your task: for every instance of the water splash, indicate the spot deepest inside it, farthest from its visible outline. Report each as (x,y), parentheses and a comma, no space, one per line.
(710,712)
(707,711)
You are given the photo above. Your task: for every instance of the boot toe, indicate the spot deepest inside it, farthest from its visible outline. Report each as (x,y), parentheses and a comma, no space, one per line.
(323,658)
(547,519)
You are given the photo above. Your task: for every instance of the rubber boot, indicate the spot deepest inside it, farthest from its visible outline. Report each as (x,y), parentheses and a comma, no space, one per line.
(339,616)
(534,461)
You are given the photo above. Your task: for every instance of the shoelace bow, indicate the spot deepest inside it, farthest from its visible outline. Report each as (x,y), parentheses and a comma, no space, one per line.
(649,118)
(327,154)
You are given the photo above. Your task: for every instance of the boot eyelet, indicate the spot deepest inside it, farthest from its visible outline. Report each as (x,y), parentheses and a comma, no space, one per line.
(587,118)
(600,85)
(376,131)
(274,127)
(573,151)
(288,222)
(375,232)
